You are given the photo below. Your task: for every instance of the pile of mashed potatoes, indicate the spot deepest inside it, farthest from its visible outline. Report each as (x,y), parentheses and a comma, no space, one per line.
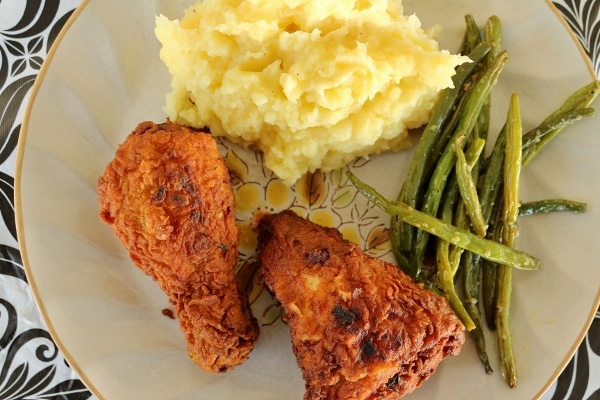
(313,84)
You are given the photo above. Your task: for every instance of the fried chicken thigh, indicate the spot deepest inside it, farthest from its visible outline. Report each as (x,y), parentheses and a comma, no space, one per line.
(360,328)
(168,198)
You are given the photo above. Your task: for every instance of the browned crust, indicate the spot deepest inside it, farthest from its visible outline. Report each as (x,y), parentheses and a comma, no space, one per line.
(168,198)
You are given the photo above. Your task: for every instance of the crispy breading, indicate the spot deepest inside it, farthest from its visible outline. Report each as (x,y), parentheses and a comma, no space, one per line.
(360,328)
(168,198)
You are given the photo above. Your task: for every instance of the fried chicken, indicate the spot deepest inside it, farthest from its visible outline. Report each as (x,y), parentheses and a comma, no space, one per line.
(360,328)
(168,198)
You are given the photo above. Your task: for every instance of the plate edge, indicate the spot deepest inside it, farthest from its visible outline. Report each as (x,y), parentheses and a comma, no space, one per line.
(20,150)
(20,153)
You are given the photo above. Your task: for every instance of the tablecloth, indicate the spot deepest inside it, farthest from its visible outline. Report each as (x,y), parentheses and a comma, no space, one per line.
(31,366)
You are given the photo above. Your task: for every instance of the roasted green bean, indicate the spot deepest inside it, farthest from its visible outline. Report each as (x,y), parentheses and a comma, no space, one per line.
(578,101)
(471,305)
(448,178)
(446,280)
(413,186)
(487,249)
(466,124)
(467,187)
(511,179)
(551,205)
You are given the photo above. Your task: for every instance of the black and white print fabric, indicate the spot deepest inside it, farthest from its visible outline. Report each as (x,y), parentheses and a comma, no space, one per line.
(31,366)
(582,17)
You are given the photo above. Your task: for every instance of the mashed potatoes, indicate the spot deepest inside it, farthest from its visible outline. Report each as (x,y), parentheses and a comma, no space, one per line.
(311,83)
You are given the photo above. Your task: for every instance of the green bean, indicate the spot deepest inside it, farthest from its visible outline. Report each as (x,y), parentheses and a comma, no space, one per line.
(492,35)
(471,282)
(471,37)
(551,205)
(466,123)
(512,171)
(467,187)
(413,186)
(397,228)
(472,192)
(532,138)
(460,220)
(491,182)
(489,268)
(489,279)
(470,263)
(446,279)
(459,237)
(471,273)
(490,197)
(505,347)
(581,98)
(473,152)
(447,267)
(537,138)
(450,202)
(448,131)
(578,101)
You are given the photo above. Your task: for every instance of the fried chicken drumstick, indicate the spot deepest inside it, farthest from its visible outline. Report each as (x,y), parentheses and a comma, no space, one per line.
(360,328)
(168,198)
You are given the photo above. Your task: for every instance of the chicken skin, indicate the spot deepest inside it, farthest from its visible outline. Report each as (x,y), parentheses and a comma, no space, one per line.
(360,328)
(167,197)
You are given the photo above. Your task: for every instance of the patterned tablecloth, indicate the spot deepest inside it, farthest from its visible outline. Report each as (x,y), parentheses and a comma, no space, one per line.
(31,367)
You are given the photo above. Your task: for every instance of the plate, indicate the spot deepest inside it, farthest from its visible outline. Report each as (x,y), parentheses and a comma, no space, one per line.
(106,316)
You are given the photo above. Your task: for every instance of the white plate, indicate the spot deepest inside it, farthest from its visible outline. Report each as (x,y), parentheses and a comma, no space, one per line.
(105,315)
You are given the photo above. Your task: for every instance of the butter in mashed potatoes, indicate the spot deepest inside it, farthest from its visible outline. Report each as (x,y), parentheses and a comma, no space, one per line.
(313,84)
